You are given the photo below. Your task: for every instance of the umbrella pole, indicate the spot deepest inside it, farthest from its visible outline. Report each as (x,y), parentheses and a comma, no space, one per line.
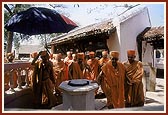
(46,45)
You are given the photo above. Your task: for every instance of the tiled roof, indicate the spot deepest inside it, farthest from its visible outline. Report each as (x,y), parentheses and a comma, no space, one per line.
(154,33)
(98,28)
(105,27)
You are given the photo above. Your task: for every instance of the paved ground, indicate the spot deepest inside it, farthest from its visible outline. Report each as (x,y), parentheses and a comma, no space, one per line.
(155,101)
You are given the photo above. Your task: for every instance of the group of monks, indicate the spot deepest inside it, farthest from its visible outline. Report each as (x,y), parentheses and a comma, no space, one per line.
(121,82)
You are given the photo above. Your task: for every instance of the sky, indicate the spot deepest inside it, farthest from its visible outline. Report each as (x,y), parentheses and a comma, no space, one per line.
(157,15)
(88,13)
(102,12)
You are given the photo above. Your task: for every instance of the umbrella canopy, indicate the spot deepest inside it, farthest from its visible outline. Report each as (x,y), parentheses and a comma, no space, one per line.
(38,20)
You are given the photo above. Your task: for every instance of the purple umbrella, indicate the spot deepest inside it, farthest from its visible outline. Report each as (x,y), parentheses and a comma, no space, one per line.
(38,20)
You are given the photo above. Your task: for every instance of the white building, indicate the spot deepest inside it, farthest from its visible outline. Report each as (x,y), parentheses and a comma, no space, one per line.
(128,26)
(118,34)
(24,51)
(121,33)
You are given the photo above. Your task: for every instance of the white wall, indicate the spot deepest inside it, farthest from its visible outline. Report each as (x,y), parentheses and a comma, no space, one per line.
(128,27)
(113,42)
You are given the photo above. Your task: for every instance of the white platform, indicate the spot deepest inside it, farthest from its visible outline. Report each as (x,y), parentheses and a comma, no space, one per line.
(78,97)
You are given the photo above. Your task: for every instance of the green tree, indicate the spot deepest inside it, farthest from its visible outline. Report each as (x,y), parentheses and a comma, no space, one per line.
(10,10)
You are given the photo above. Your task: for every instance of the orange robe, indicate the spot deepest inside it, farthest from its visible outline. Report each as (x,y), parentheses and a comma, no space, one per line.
(59,73)
(43,87)
(102,61)
(114,84)
(67,62)
(75,71)
(95,69)
(133,86)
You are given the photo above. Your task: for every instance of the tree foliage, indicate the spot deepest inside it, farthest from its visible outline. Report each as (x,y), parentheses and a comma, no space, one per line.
(9,11)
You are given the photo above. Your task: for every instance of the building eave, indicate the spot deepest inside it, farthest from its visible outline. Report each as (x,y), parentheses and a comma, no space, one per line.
(105,27)
(152,33)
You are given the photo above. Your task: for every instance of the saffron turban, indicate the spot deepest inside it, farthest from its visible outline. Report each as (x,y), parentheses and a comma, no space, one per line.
(80,55)
(73,55)
(131,52)
(34,54)
(114,54)
(68,53)
(104,53)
